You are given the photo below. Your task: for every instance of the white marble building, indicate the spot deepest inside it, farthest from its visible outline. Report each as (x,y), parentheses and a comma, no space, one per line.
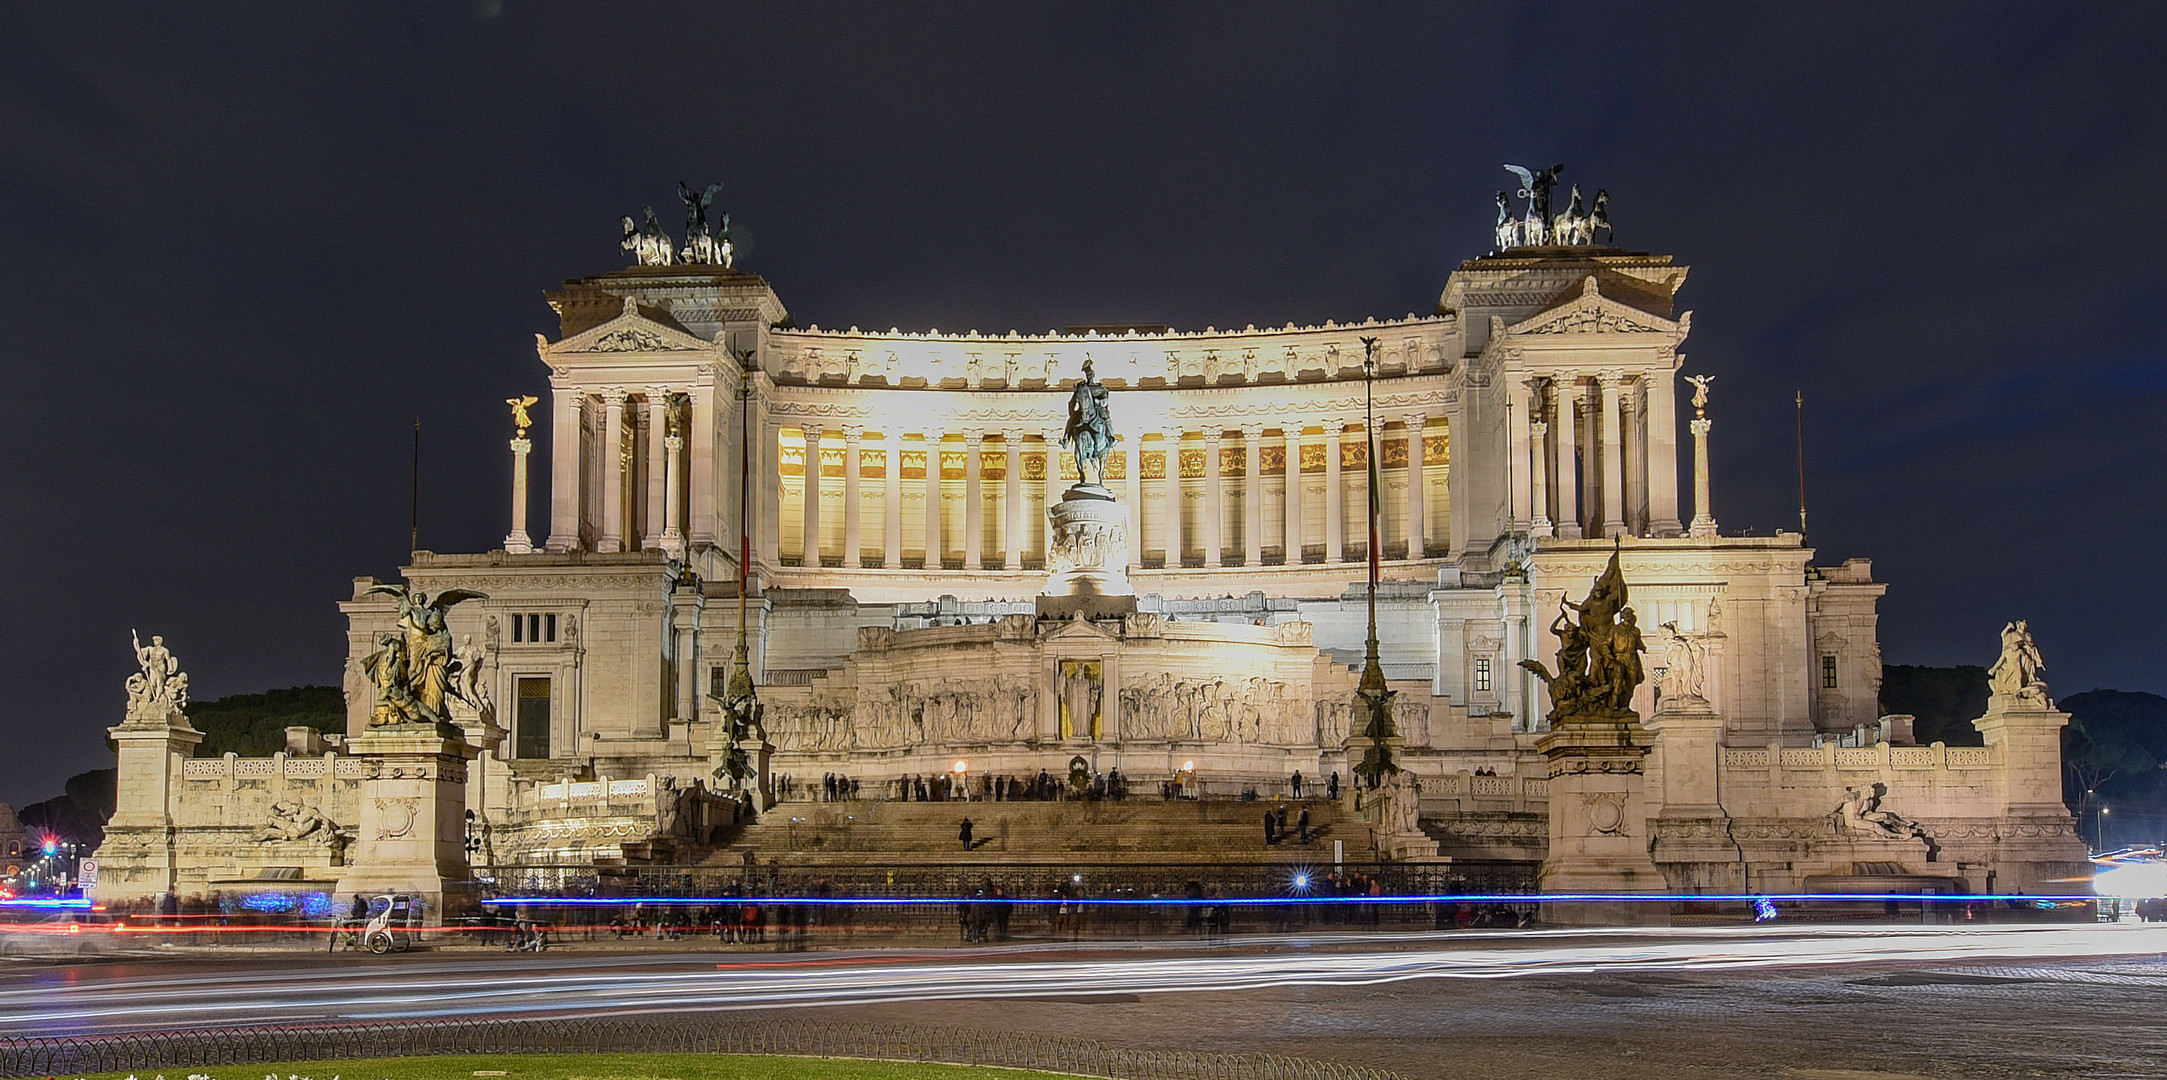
(894,513)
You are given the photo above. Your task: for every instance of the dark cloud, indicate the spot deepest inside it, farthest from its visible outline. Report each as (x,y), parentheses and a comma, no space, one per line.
(246,246)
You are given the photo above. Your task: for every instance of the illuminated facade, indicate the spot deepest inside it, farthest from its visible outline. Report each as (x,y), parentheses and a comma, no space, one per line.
(894,502)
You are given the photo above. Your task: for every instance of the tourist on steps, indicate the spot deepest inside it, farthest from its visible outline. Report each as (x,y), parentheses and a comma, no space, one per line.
(964,834)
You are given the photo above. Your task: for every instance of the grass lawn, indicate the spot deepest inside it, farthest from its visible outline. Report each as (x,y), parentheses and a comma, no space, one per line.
(590,1067)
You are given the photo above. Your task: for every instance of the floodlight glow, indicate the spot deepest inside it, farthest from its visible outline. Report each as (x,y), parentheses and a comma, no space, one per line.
(2132,880)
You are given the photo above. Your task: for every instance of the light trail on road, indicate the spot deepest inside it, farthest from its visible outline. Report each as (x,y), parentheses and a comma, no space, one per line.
(312,988)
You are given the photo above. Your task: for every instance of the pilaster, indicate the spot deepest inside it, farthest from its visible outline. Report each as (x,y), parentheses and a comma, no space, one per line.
(564,442)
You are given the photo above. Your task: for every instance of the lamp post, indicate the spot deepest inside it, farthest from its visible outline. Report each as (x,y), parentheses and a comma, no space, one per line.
(1379,735)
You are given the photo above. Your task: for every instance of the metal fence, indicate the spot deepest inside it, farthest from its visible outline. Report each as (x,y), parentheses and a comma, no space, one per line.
(173,1051)
(1097,901)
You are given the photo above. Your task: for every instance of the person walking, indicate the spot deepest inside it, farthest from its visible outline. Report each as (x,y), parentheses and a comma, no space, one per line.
(1302,823)
(1331,787)
(1296,783)
(964,834)
(1271,826)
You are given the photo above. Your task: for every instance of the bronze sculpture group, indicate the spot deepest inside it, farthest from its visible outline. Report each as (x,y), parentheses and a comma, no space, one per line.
(1598,657)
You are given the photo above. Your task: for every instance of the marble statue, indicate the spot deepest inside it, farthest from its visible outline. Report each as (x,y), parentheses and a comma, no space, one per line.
(161,686)
(700,244)
(1700,392)
(415,671)
(1090,431)
(472,688)
(520,419)
(1082,687)
(1535,187)
(1598,658)
(2014,678)
(1685,666)
(1861,813)
(1402,814)
(1599,217)
(1508,230)
(1571,227)
(648,243)
(293,820)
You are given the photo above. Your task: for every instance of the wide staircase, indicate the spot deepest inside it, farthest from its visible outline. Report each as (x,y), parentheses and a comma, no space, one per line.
(1106,831)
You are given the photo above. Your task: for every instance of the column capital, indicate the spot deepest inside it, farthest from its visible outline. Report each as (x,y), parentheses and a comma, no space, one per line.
(1540,428)
(1012,435)
(1417,420)
(1252,432)
(1699,425)
(614,396)
(812,431)
(658,394)
(673,442)
(1214,438)
(853,432)
(1337,427)
(974,434)
(521,446)
(1612,378)
(1565,375)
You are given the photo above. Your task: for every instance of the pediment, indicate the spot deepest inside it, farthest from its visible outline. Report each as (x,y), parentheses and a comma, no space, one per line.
(1590,312)
(1079,629)
(633,332)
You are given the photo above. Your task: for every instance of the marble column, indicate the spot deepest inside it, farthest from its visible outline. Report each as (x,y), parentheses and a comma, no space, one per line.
(658,426)
(1012,500)
(1542,526)
(711,460)
(1132,489)
(517,542)
(1635,435)
(853,497)
(934,553)
(1416,487)
(564,452)
(1704,519)
(1613,455)
(811,545)
(1524,395)
(1335,512)
(974,510)
(1291,505)
(891,518)
(1568,478)
(1172,441)
(673,536)
(1662,449)
(613,471)
(1214,500)
(767,471)
(1253,496)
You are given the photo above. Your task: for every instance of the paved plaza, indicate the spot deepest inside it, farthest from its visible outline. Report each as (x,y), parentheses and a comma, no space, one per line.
(2096,1019)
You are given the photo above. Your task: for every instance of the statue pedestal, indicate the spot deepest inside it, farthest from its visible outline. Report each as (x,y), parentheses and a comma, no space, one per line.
(412,836)
(136,856)
(1088,554)
(1599,826)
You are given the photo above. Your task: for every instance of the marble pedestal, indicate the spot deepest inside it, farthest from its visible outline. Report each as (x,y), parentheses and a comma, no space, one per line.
(412,835)
(1088,556)
(137,856)
(1599,826)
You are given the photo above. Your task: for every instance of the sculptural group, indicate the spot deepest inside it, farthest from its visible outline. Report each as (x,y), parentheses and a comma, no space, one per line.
(1598,658)
(652,246)
(416,672)
(161,686)
(1579,224)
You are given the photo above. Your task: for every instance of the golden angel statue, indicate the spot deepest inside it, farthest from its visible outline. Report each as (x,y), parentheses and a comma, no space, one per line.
(520,419)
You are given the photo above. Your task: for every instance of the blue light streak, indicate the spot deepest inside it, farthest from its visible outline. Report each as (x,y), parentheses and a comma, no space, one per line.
(48,902)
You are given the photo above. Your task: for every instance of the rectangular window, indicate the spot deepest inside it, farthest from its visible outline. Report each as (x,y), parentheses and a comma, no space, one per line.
(549,627)
(1482,674)
(1828,673)
(531,737)
(519,629)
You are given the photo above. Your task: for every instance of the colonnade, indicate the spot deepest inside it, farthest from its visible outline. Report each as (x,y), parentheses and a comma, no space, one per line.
(1200,498)
(1596,455)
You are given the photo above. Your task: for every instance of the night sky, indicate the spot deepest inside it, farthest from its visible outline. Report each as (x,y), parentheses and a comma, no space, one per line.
(241,248)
